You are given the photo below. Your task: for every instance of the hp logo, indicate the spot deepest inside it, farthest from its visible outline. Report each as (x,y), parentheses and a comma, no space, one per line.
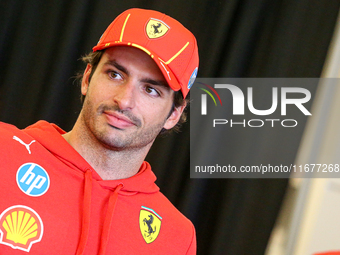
(32,179)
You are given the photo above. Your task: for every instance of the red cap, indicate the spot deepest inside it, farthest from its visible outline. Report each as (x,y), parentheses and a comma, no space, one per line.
(168,42)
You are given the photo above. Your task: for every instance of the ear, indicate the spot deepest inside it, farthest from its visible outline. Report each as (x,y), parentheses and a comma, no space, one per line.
(174,117)
(85,80)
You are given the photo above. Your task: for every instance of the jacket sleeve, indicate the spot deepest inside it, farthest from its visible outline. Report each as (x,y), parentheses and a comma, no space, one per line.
(192,246)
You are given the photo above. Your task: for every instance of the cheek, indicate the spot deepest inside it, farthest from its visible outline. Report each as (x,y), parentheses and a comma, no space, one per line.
(96,94)
(157,112)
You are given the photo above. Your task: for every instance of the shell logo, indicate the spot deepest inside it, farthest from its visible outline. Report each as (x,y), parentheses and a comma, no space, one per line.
(20,227)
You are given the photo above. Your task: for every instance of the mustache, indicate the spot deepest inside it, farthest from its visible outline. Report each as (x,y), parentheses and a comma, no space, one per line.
(115,108)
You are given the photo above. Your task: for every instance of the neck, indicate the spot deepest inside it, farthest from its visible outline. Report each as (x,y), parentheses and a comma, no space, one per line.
(110,164)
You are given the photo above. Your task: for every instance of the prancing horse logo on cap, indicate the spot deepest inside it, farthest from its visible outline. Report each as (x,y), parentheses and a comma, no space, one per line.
(156,28)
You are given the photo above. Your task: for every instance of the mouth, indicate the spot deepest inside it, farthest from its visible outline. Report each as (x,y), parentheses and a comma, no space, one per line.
(118,121)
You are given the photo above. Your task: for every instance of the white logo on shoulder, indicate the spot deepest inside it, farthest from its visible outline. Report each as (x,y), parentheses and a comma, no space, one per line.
(26,145)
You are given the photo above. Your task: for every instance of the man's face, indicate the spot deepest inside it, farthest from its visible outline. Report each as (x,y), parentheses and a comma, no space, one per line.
(127,101)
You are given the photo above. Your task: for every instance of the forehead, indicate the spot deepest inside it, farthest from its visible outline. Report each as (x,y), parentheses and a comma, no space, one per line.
(121,51)
(134,57)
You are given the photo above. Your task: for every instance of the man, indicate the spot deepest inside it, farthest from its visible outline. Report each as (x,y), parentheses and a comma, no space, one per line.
(89,191)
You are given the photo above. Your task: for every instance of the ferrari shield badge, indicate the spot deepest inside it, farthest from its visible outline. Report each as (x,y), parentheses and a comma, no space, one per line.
(156,28)
(150,224)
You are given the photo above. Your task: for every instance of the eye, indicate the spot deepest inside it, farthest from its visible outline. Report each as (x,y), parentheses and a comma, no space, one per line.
(115,75)
(151,91)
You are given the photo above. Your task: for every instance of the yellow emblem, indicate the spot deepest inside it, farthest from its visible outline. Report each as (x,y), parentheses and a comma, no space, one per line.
(156,28)
(149,223)
(20,227)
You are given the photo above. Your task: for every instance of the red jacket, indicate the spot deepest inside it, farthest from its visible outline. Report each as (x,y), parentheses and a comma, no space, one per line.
(53,202)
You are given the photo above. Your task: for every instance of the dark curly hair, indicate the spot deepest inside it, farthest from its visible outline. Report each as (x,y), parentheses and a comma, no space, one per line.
(93,59)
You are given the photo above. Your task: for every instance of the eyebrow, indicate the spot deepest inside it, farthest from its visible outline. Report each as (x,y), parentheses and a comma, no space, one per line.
(146,80)
(156,83)
(116,65)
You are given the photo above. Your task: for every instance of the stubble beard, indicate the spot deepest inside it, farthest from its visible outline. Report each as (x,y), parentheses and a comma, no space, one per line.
(113,138)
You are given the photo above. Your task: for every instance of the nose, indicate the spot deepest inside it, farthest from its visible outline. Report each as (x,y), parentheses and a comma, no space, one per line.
(125,95)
